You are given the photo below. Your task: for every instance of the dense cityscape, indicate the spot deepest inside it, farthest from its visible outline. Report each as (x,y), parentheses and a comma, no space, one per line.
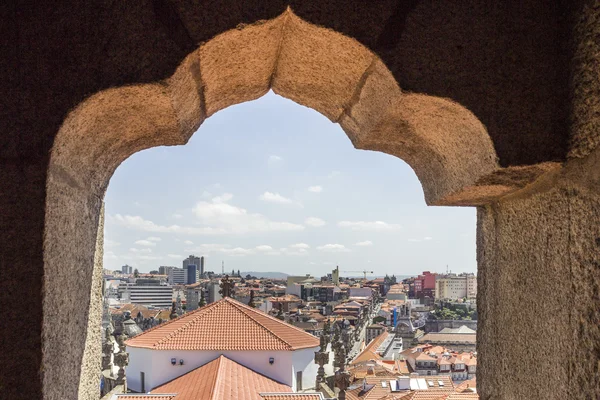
(184,332)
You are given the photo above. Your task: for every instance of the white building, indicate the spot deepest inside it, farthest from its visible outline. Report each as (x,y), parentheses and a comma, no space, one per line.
(454,287)
(227,328)
(362,292)
(148,292)
(177,276)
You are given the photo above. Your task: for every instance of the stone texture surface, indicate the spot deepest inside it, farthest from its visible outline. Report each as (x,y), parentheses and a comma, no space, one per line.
(539,280)
(585,86)
(521,68)
(238,65)
(88,379)
(319,68)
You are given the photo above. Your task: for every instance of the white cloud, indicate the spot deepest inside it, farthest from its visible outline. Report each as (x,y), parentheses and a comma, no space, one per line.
(111,243)
(364,244)
(333,174)
(224,198)
(145,243)
(154,239)
(300,246)
(189,242)
(238,251)
(138,223)
(273,159)
(110,255)
(134,250)
(264,247)
(270,197)
(294,251)
(314,221)
(177,216)
(369,225)
(315,189)
(420,240)
(174,256)
(218,216)
(334,248)
(233,219)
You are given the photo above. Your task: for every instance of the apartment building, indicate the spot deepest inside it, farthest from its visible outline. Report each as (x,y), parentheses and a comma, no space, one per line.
(147,292)
(454,287)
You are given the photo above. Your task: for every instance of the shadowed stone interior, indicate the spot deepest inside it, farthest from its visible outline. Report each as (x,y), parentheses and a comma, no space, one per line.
(118,78)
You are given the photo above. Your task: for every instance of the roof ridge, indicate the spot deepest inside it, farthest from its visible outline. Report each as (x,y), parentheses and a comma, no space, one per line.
(214,386)
(205,310)
(289,346)
(181,376)
(270,317)
(171,321)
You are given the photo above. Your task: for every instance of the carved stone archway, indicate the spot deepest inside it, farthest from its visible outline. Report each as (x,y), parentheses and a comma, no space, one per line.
(443,142)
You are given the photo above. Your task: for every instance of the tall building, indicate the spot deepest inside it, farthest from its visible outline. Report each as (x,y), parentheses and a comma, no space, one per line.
(147,292)
(164,269)
(127,269)
(177,276)
(335,276)
(197,261)
(192,274)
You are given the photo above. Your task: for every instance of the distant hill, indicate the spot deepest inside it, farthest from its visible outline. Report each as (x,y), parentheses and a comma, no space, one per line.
(269,275)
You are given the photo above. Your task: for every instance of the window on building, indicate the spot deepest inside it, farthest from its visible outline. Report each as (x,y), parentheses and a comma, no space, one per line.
(298,381)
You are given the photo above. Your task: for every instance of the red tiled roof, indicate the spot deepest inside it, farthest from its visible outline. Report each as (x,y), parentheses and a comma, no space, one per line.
(370,352)
(292,396)
(221,379)
(145,397)
(225,325)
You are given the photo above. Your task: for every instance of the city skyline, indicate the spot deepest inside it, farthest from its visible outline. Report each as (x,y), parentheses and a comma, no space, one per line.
(250,189)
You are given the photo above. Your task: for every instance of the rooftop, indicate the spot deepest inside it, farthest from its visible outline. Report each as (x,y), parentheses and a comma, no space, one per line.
(221,379)
(225,325)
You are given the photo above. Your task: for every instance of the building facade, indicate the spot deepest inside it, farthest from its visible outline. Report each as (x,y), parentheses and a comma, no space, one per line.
(454,287)
(177,276)
(227,328)
(197,261)
(147,292)
(164,269)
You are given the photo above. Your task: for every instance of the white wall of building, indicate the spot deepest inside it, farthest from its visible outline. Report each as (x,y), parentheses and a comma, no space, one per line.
(360,292)
(294,289)
(304,360)
(157,367)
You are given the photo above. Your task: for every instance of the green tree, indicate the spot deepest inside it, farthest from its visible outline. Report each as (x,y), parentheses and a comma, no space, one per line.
(136,273)
(202,301)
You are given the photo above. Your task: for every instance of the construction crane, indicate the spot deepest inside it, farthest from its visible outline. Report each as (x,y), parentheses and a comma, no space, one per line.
(364,272)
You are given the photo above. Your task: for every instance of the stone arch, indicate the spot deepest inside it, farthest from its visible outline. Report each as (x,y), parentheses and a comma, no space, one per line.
(444,143)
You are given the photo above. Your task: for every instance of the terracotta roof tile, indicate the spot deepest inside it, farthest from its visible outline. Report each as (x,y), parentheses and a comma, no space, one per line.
(370,352)
(225,325)
(221,379)
(292,396)
(143,397)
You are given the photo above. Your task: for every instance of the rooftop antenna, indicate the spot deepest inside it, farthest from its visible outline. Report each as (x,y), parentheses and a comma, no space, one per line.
(222,267)
(446,268)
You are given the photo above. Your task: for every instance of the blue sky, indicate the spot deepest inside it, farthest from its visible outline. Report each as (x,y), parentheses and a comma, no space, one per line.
(270,185)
